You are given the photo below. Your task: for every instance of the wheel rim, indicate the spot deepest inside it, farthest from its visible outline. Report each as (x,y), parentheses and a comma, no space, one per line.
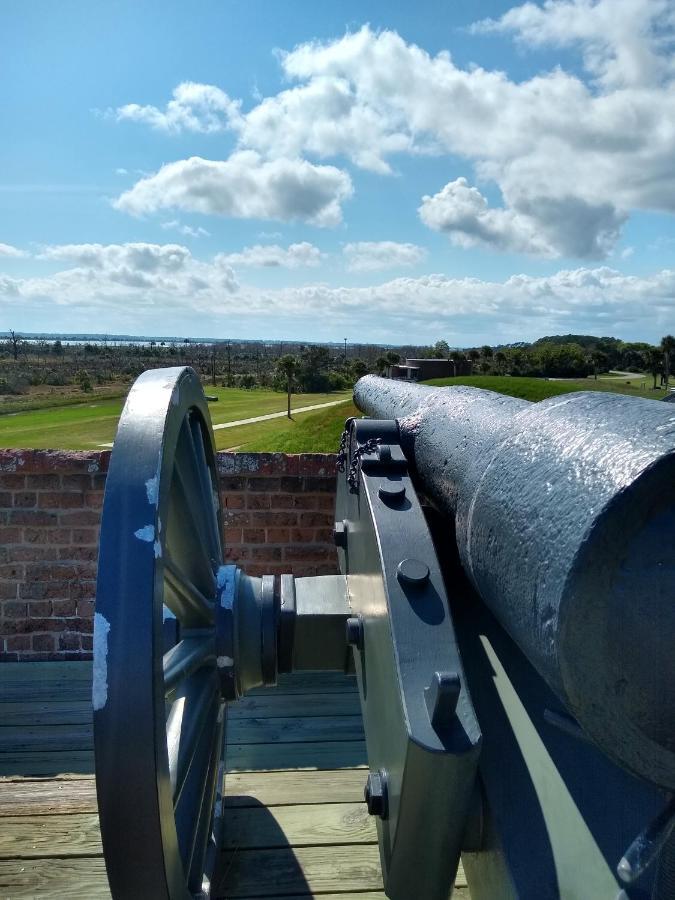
(158,716)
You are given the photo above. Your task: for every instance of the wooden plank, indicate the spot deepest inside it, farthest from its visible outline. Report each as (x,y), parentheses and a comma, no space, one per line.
(35,837)
(46,798)
(53,672)
(76,879)
(275,788)
(320,755)
(310,683)
(31,738)
(273,704)
(51,762)
(299,826)
(44,712)
(294,729)
(256,873)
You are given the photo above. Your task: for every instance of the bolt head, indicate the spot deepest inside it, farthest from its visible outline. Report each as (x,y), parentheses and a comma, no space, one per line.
(413,572)
(340,534)
(375,794)
(354,631)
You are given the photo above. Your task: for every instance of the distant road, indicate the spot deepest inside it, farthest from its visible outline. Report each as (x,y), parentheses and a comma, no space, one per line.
(265,418)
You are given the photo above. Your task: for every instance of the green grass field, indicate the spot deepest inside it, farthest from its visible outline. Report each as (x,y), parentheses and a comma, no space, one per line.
(535,389)
(89,425)
(92,424)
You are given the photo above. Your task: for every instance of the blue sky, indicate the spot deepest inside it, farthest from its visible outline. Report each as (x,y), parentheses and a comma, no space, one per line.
(394,172)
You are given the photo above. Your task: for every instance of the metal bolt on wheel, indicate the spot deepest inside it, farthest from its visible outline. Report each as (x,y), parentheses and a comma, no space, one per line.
(159,716)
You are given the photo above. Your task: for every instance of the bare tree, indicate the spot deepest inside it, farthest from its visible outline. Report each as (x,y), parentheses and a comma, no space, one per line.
(15,340)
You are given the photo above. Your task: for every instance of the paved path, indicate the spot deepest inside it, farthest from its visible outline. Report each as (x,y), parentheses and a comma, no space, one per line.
(276,415)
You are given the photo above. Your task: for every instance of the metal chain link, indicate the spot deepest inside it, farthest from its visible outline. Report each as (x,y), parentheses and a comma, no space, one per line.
(353,477)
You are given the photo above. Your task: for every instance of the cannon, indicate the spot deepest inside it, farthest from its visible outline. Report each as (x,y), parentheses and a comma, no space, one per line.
(506,599)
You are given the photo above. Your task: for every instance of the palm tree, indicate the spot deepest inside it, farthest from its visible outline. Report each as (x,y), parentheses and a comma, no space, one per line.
(287,366)
(654,361)
(667,347)
(500,359)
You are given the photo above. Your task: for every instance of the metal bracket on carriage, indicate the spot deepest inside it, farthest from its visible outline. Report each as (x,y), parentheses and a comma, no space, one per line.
(266,625)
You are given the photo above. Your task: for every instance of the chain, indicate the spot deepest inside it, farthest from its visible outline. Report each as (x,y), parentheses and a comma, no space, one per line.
(343,449)
(353,476)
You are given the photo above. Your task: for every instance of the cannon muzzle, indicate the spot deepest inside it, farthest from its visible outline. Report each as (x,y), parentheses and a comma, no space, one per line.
(564,516)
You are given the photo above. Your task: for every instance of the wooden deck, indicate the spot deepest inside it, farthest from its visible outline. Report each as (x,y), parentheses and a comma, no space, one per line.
(296,824)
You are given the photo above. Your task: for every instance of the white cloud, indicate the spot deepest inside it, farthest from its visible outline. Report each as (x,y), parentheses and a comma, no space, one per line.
(110,274)
(570,226)
(295,256)
(244,187)
(589,148)
(370,256)
(194,107)
(623,43)
(187,230)
(155,283)
(8,251)
(121,171)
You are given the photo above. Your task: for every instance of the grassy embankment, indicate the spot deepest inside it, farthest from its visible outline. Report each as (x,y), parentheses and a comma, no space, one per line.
(89,425)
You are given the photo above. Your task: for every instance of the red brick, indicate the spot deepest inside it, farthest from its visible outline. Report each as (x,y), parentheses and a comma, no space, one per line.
(235,517)
(12,482)
(302,535)
(6,498)
(25,499)
(12,572)
(79,554)
(85,537)
(282,501)
(10,535)
(76,482)
(8,590)
(39,609)
(235,501)
(85,609)
(318,519)
(14,610)
(324,536)
(87,641)
(34,517)
(236,553)
(82,590)
(43,642)
(266,552)
(79,517)
(43,482)
(258,501)
(279,518)
(94,499)
(69,641)
(232,535)
(31,553)
(64,607)
(254,535)
(44,590)
(326,503)
(269,485)
(307,553)
(278,535)
(61,500)
(305,501)
(18,642)
(320,485)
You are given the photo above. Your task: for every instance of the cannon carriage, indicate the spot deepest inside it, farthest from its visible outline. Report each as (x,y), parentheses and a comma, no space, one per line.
(505,599)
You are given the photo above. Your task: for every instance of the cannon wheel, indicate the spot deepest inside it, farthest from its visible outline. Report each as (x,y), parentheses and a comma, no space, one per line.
(159,716)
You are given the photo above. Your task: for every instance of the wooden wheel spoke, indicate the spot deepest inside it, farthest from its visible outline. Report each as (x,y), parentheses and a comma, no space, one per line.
(193,708)
(184,599)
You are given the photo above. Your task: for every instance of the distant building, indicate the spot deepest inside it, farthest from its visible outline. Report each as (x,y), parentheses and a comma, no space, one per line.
(423,369)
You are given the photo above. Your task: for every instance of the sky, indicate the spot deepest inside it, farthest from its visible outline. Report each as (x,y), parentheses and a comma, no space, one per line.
(390,172)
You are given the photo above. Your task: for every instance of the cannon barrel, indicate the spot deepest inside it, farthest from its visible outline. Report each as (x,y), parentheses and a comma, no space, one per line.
(564,517)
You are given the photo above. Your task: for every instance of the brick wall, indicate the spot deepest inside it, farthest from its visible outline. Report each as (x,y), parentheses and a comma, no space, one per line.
(278,517)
